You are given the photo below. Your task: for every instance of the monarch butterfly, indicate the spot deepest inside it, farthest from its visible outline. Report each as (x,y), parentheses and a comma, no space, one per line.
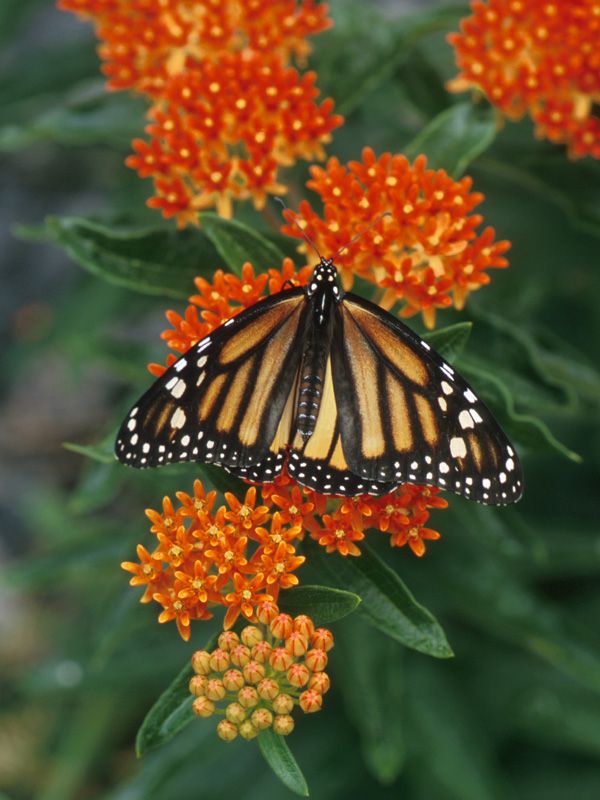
(353,399)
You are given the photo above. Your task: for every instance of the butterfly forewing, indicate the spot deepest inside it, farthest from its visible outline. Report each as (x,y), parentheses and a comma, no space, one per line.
(227,400)
(406,416)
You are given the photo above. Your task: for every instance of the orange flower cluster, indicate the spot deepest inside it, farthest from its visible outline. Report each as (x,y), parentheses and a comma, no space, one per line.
(418,238)
(538,57)
(262,674)
(243,554)
(227,108)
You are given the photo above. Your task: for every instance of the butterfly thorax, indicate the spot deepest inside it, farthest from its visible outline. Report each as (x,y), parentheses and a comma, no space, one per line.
(324,294)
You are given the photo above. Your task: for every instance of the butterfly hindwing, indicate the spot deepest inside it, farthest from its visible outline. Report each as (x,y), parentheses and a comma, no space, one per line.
(227,399)
(406,416)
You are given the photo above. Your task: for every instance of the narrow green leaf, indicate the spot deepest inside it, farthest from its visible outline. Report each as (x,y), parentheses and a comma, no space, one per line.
(279,757)
(96,452)
(449,342)
(170,713)
(322,603)
(238,243)
(387,603)
(455,137)
(149,260)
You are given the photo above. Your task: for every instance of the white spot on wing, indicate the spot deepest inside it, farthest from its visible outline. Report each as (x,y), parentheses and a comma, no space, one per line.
(458,448)
(179,365)
(465,420)
(178,418)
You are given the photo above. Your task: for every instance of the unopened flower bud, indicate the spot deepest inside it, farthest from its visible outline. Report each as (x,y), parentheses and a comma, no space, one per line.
(261,652)
(296,643)
(219,660)
(298,675)
(267,689)
(283,704)
(247,730)
(227,730)
(215,690)
(310,701)
(316,660)
(240,655)
(251,635)
(280,659)
(283,724)
(304,624)
(233,680)
(203,707)
(235,713)
(266,611)
(320,682)
(228,640)
(248,696)
(282,626)
(201,662)
(322,639)
(254,672)
(197,685)
(262,718)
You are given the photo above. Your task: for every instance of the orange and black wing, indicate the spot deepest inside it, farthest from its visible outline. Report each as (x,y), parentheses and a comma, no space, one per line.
(405,415)
(229,399)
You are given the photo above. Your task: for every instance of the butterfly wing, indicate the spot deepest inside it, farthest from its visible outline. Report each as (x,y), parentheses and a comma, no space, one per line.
(405,415)
(229,399)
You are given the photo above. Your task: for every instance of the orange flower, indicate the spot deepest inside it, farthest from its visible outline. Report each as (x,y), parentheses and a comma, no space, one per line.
(339,534)
(277,566)
(540,58)
(425,252)
(244,515)
(246,594)
(228,111)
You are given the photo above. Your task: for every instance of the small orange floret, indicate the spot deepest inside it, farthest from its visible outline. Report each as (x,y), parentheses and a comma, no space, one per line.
(536,57)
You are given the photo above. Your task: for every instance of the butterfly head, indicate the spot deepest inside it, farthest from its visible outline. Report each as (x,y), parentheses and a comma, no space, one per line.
(324,280)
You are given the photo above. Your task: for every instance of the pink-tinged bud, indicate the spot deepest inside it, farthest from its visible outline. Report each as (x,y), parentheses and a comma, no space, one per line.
(247,730)
(215,689)
(248,697)
(316,660)
(283,704)
(304,624)
(235,713)
(197,685)
(228,640)
(262,718)
(322,639)
(203,707)
(254,672)
(240,655)
(298,675)
(261,652)
(227,730)
(280,659)
(310,701)
(282,626)
(219,660)
(296,643)
(266,611)
(283,724)
(267,689)
(201,662)
(251,635)
(320,682)
(233,680)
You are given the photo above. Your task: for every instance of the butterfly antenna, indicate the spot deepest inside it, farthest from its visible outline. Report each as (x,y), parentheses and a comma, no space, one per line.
(362,233)
(300,228)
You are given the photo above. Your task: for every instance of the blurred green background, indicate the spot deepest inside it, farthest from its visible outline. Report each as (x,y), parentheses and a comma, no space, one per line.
(516,713)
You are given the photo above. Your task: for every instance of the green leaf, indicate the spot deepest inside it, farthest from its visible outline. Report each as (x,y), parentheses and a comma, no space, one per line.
(387,603)
(372,704)
(279,757)
(449,342)
(238,243)
(322,603)
(149,260)
(170,713)
(102,452)
(455,137)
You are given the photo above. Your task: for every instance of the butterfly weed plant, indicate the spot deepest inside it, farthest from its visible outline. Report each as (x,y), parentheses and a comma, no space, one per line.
(295,423)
